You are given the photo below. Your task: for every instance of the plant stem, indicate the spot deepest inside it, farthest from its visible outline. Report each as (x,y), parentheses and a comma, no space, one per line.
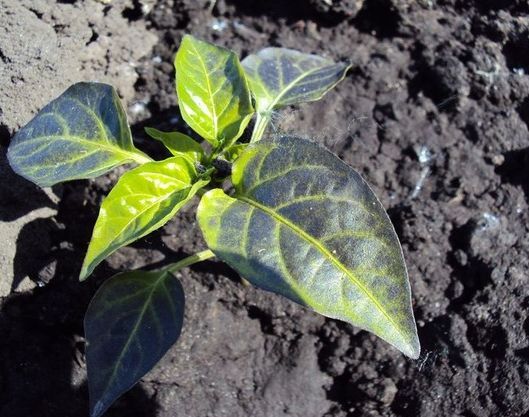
(190,260)
(261,122)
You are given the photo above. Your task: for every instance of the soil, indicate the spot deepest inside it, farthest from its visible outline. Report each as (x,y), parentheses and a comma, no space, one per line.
(435,114)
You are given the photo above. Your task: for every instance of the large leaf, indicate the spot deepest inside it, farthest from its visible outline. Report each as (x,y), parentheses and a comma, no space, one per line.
(178,143)
(280,77)
(81,134)
(143,200)
(213,93)
(133,319)
(305,225)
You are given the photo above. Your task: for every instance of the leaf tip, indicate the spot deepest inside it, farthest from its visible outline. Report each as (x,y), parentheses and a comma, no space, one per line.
(408,343)
(85,272)
(413,349)
(98,409)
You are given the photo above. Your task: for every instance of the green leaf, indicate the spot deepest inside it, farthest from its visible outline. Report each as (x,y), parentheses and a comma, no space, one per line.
(234,151)
(280,77)
(178,144)
(81,134)
(213,93)
(305,225)
(143,200)
(133,319)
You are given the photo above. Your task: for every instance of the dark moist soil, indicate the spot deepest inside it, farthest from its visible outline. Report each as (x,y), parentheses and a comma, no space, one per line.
(434,113)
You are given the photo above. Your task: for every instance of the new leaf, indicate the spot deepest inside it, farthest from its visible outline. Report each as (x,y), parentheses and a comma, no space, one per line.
(178,144)
(213,93)
(143,200)
(81,134)
(305,225)
(133,319)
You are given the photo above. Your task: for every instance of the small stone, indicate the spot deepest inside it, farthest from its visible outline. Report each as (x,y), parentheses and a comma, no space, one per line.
(498,275)
(312,30)
(455,290)
(461,257)
(46,274)
(389,390)
(498,159)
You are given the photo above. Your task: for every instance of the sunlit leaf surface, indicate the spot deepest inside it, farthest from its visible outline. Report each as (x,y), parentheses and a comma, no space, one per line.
(178,143)
(213,93)
(280,77)
(81,134)
(133,319)
(143,200)
(305,225)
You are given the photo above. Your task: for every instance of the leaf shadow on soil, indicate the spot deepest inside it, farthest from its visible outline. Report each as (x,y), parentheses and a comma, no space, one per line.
(292,11)
(515,169)
(41,351)
(42,368)
(18,196)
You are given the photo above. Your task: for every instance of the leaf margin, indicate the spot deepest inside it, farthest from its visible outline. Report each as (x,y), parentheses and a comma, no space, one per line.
(123,152)
(100,405)
(246,109)
(94,257)
(409,344)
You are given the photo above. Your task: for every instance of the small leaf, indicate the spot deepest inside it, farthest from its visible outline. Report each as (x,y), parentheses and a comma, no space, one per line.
(81,134)
(234,151)
(143,200)
(178,144)
(213,93)
(281,77)
(133,319)
(305,225)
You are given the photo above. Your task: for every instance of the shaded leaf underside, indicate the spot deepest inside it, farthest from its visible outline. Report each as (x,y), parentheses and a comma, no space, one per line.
(133,319)
(305,225)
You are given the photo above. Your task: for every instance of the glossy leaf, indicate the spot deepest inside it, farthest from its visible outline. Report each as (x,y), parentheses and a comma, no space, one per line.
(178,144)
(143,200)
(305,225)
(213,93)
(133,319)
(281,77)
(81,134)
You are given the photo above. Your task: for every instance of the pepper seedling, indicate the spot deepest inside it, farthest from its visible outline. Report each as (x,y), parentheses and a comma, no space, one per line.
(294,218)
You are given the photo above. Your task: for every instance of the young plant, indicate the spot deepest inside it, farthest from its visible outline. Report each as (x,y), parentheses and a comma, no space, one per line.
(296,220)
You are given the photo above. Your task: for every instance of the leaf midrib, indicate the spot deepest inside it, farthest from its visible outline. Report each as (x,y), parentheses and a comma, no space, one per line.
(146,208)
(135,156)
(291,84)
(208,85)
(326,253)
(134,330)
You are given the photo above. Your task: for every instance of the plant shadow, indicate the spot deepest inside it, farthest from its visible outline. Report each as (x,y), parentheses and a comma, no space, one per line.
(42,368)
(515,169)
(18,196)
(41,350)
(291,11)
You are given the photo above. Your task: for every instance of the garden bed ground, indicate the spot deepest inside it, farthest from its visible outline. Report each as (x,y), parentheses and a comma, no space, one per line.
(435,114)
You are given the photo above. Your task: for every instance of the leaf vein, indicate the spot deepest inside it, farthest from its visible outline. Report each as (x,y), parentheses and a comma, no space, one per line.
(311,240)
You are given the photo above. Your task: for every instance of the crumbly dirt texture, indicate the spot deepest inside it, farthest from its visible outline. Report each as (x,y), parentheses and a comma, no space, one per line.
(434,114)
